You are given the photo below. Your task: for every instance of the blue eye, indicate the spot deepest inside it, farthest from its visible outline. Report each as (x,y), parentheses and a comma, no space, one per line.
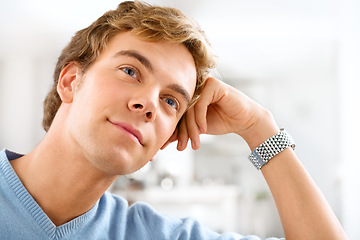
(129,71)
(173,103)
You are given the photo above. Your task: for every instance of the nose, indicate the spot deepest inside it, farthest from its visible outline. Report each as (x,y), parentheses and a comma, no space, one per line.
(145,105)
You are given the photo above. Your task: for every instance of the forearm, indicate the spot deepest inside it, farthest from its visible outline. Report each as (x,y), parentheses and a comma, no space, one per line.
(304,212)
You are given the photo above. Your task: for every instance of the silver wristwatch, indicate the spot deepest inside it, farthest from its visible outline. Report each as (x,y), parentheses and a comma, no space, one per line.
(271,147)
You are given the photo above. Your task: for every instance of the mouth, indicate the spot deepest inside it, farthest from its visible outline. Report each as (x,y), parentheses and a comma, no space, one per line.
(134,134)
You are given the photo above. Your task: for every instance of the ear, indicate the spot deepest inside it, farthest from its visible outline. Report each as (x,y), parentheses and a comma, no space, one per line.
(69,78)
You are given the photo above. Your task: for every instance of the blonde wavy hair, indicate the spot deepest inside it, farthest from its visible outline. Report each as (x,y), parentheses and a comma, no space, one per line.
(149,23)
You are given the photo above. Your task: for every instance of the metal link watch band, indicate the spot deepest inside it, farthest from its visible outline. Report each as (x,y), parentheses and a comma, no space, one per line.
(271,147)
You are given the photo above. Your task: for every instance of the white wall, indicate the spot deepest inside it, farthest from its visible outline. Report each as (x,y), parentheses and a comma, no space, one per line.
(349,87)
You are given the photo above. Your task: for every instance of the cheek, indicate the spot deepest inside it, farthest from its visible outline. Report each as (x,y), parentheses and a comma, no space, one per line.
(165,130)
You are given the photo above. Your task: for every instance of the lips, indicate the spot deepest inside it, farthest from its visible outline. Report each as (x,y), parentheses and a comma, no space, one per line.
(131,131)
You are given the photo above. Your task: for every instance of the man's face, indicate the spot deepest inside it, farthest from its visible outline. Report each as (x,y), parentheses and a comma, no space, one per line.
(129,102)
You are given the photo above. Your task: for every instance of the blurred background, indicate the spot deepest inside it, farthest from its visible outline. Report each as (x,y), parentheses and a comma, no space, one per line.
(300,59)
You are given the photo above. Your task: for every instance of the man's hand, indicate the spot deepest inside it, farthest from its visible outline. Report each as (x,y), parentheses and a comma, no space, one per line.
(222,109)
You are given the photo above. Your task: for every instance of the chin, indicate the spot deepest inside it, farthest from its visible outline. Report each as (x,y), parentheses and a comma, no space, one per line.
(119,166)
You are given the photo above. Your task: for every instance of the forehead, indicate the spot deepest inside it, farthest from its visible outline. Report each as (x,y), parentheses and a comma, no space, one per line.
(169,62)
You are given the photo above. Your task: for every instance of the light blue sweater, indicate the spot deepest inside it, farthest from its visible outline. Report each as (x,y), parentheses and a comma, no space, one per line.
(110,218)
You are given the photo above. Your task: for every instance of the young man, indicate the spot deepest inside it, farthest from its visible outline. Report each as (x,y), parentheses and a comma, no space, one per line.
(125,87)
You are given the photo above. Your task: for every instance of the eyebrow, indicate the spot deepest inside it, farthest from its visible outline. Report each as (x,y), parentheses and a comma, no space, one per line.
(181,90)
(144,61)
(135,54)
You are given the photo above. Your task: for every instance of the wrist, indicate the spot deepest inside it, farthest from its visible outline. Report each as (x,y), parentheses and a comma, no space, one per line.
(270,148)
(262,129)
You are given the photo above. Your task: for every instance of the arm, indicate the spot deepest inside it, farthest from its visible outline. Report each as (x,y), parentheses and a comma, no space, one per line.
(304,212)
(221,109)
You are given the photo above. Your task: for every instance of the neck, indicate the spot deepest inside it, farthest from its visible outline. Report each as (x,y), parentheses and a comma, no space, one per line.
(61,182)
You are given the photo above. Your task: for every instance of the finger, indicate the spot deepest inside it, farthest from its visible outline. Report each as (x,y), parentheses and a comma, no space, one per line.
(201,107)
(200,110)
(192,128)
(183,136)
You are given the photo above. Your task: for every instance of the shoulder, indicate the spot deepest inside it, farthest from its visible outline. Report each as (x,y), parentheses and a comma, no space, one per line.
(109,200)
(142,221)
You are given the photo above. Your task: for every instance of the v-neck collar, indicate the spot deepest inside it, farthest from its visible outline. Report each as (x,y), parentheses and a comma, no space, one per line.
(32,207)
